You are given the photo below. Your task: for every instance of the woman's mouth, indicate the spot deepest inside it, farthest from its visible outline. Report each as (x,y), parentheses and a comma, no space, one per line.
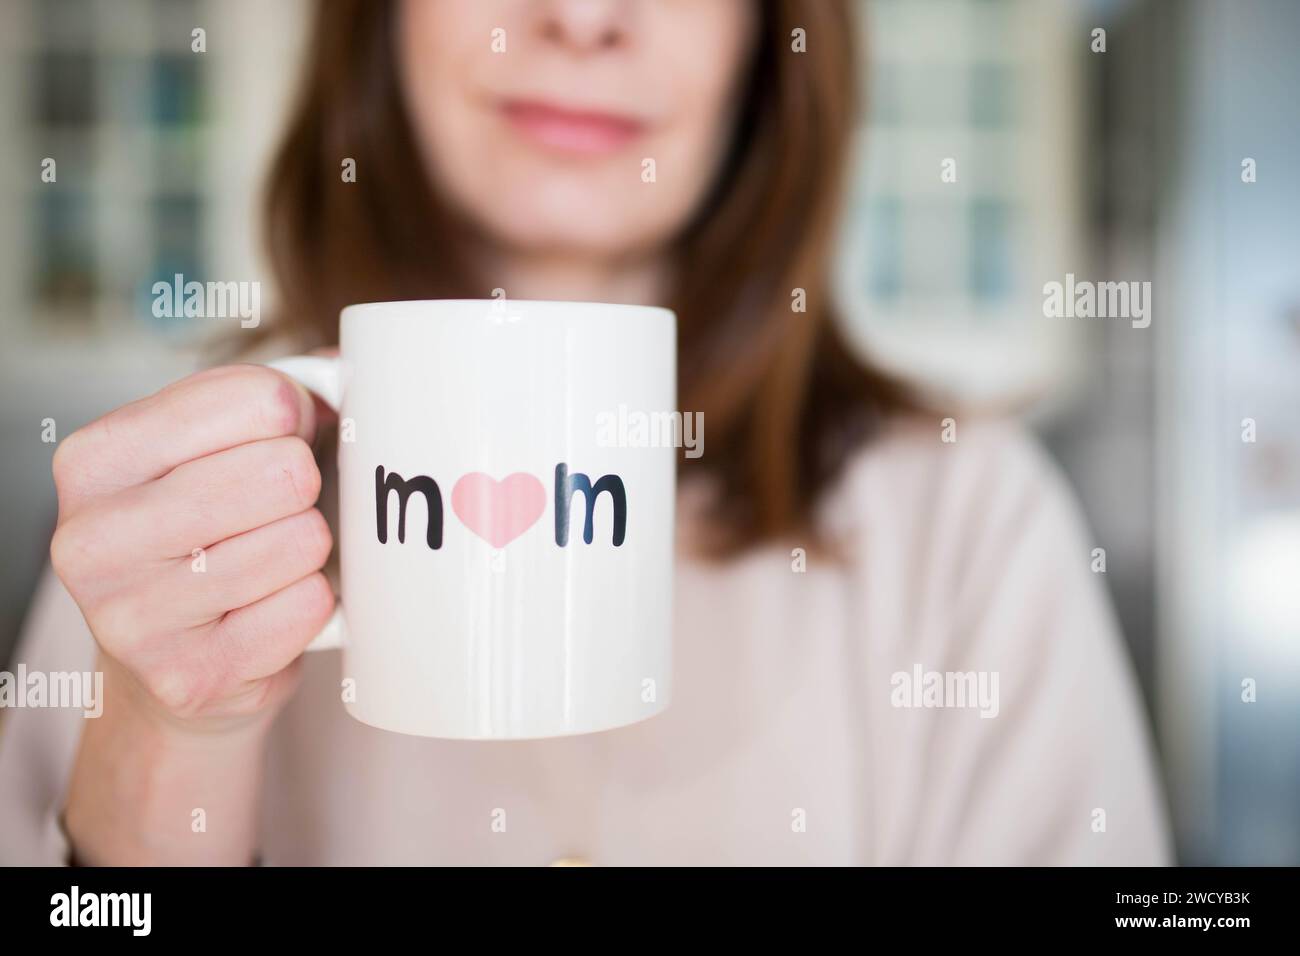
(584,132)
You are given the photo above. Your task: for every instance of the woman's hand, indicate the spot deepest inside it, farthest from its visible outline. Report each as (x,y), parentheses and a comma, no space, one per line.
(188,536)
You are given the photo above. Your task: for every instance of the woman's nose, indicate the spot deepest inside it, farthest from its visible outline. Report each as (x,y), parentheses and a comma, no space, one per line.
(584,26)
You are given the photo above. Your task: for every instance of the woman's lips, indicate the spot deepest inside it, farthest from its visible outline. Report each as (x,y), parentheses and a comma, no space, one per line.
(569,130)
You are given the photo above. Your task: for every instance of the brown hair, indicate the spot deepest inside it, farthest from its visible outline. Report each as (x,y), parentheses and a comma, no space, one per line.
(785,402)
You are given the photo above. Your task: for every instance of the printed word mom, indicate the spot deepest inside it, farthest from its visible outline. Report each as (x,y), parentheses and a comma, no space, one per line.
(500,511)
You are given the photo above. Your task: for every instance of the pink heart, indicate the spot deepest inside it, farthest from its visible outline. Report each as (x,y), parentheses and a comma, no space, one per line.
(498,511)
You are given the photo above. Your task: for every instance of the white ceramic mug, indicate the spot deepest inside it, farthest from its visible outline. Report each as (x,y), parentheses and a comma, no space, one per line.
(506,566)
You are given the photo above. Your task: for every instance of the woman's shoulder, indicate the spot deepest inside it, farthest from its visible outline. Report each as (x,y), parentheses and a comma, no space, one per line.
(957,449)
(953,478)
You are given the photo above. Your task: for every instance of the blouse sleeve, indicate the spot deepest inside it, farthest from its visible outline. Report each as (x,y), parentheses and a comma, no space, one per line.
(1050,761)
(38,744)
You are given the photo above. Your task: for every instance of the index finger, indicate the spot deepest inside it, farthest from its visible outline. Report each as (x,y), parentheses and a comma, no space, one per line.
(205,413)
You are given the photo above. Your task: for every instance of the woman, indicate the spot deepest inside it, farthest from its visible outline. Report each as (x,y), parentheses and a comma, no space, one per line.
(836,550)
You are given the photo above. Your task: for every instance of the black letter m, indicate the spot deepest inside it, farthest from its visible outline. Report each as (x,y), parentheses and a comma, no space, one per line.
(565,486)
(432,499)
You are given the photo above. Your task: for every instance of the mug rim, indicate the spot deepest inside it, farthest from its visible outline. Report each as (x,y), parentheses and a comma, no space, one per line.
(663,312)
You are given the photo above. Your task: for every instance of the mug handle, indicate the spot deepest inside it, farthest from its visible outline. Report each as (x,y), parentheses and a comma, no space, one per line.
(320,375)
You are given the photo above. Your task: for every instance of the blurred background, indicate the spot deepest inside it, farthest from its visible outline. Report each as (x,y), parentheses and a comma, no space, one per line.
(1115,156)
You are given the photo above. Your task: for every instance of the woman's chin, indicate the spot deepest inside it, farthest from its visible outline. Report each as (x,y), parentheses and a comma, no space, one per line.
(539,235)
